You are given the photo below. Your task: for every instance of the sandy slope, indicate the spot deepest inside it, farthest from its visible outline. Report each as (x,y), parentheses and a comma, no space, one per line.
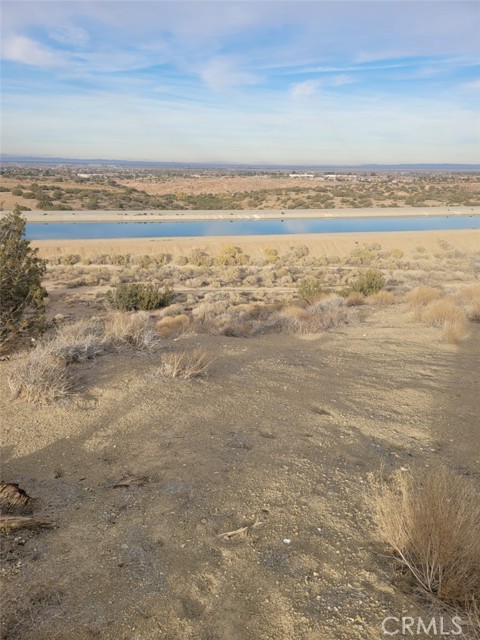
(322,243)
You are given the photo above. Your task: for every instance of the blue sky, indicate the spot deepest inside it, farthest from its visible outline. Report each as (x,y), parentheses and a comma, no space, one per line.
(271,81)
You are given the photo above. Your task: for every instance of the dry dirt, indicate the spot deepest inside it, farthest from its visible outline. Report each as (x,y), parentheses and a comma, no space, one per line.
(283,432)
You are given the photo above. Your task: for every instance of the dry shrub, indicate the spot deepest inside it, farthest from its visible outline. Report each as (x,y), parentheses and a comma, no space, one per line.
(248,320)
(382,298)
(431,525)
(448,316)
(40,376)
(437,313)
(78,341)
(185,364)
(422,296)
(355,299)
(232,326)
(172,327)
(329,313)
(173,310)
(208,311)
(240,321)
(130,330)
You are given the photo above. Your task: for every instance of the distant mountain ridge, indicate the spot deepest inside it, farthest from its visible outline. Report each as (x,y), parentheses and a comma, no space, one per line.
(233,165)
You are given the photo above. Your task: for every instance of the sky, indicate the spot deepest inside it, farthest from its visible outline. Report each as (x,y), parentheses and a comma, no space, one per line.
(271,81)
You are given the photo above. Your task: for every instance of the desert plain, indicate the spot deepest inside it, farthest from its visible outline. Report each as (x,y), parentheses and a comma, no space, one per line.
(234,504)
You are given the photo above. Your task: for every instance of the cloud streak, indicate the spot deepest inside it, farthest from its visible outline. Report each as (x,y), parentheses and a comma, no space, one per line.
(27,51)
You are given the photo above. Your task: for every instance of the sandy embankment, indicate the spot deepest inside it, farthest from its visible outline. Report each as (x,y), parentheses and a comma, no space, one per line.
(265,214)
(319,244)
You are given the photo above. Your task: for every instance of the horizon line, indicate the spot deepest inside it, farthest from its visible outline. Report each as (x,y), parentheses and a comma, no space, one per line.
(58,159)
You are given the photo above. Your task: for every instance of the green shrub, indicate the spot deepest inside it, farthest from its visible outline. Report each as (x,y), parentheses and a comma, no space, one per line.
(135,296)
(310,289)
(22,308)
(369,282)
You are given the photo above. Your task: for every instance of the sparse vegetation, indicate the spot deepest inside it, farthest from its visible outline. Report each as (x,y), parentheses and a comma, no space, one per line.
(43,375)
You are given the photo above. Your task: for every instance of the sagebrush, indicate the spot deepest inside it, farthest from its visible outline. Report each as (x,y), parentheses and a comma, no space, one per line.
(135,296)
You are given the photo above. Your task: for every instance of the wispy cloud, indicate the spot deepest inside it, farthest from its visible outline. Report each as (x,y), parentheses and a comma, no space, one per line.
(222,73)
(305,89)
(70,35)
(20,48)
(277,80)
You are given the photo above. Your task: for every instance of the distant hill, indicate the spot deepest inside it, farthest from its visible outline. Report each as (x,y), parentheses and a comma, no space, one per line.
(228,165)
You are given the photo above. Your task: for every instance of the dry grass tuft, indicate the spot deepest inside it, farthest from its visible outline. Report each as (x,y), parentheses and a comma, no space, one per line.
(431,525)
(77,342)
(448,316)
(40,376)
(123,330)
(382,297)
(422,296)
(172,327)
(185,365)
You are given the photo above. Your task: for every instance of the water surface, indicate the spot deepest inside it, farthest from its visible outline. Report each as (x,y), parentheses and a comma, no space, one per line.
(106,230)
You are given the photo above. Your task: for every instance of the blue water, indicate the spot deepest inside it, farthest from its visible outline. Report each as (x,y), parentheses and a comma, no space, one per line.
(91,230)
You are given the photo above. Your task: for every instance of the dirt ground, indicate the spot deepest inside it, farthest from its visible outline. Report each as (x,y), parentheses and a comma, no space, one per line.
(282,435)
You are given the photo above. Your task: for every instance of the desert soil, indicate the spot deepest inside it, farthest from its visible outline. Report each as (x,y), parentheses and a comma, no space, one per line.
(283,434)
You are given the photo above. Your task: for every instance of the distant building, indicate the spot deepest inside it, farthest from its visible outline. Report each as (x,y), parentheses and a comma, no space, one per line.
(301,175)
(340,176)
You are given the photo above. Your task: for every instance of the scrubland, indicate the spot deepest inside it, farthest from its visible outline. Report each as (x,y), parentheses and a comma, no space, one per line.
(288,448)
(65,189)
